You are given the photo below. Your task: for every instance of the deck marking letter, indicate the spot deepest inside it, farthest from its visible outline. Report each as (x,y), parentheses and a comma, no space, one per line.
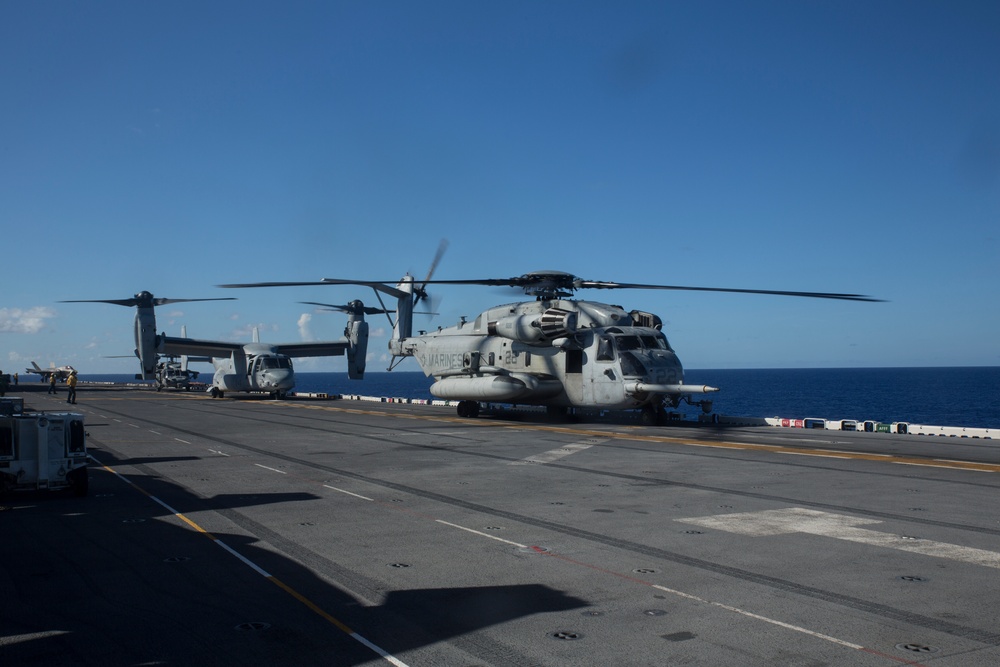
(556,454)
(841,527)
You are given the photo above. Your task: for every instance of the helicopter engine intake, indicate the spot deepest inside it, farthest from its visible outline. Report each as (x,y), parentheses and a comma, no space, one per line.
(552,324)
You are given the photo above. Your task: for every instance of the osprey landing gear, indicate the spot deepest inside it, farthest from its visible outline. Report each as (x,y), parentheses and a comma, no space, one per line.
(468,409)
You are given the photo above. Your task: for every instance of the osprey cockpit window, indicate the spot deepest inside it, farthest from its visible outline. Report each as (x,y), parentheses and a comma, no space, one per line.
(276,362)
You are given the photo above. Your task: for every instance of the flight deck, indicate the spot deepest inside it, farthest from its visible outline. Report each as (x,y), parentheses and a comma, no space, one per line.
(326,532)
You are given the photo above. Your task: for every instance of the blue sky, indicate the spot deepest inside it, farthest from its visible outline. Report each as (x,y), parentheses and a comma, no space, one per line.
(812,146)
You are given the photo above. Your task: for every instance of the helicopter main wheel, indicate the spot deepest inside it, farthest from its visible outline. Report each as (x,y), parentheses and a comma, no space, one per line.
(652,415)
(216,393)
(468,409)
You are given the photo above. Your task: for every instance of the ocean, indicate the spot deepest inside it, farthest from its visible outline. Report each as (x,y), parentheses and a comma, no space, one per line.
(967,396)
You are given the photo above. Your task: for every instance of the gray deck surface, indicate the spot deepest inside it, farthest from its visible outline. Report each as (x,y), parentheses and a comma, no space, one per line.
(312,532)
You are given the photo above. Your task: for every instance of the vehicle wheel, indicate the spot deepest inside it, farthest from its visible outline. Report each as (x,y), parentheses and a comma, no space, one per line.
(215,392)
(80,483)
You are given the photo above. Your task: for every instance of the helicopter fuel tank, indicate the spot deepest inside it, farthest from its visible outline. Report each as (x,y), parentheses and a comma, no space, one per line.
(495,387)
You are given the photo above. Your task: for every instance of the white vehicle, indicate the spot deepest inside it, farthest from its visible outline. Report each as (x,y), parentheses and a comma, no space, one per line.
(41,450)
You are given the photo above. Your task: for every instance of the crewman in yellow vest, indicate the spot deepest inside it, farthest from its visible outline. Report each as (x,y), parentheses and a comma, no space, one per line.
(71,383)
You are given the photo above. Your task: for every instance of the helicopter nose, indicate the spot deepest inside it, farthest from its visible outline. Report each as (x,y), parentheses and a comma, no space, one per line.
(666,368)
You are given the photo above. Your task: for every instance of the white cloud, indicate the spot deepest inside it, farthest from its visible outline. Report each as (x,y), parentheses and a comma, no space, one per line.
(304,331)
(15,320)
(245,333)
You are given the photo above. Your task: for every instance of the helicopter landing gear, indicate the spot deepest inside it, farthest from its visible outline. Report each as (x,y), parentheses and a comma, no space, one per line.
(216,393)
(468,409)
(705,405)
(278,395)
(652,415)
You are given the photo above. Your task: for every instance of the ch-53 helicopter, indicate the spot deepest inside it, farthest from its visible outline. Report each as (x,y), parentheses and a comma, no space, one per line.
(555,351)
(239,367)
(172,373)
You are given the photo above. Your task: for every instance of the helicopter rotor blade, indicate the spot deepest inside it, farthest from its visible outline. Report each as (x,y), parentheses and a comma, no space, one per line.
(421,291)
(348,308)
(163,302)
(591,284)
(117,302)
(571,283)
(135,301)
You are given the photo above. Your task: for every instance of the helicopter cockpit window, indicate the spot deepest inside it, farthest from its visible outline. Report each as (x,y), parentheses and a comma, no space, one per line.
(631,367)
(626,343)
(655,342)
(605,349)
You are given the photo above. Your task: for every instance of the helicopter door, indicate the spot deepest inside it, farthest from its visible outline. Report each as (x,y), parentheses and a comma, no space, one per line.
(604,376)
(593,378)
(573,383)
(253,371)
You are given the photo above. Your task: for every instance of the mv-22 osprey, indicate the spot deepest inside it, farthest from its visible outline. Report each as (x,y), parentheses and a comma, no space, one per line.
(554,351)
(240,367)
